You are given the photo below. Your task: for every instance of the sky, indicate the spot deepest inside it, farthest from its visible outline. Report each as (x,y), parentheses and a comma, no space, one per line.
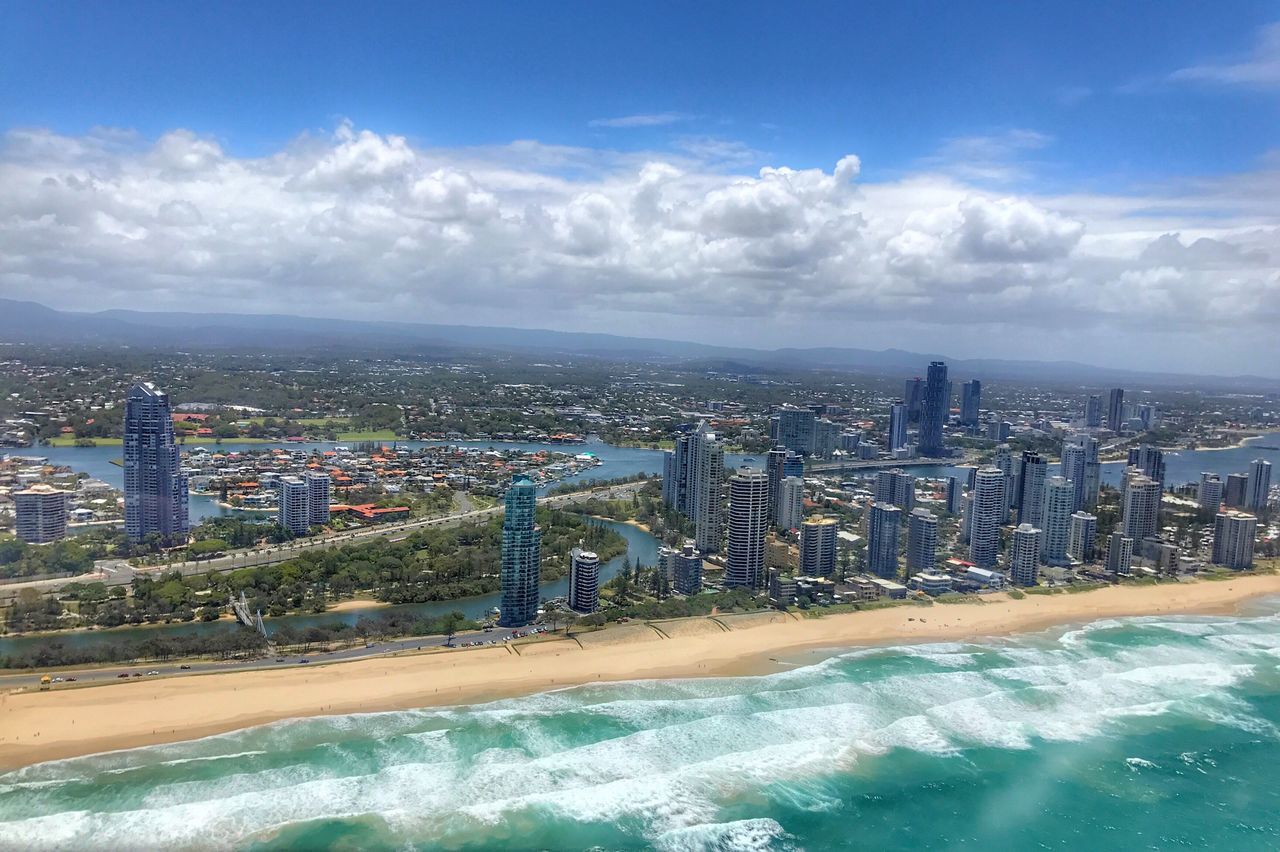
(1088,181)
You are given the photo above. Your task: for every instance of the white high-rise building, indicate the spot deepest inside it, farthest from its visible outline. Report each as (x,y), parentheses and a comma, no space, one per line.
(791,503)
(897,437)
(818,546)
(987,516)
(1059,504)
(1084,532)
(1024,555)
(685,569)
(1073,470)
(897,487)
(1141,506)
(1259,485)
(748,525)
(318,484)
(1233,537)
(705,489)
(584,581)
(40,514)
(1119,554)
(1209,494)
(922,541)
(292,511)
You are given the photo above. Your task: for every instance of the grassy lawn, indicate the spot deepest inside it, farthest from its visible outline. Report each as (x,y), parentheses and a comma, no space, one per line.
(379,435)
(62,441)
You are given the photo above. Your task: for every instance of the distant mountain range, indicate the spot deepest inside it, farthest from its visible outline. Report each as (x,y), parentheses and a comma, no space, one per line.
(31,322)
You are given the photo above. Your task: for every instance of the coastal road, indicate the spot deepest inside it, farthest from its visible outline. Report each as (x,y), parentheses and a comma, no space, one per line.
(112,673)
(117,572)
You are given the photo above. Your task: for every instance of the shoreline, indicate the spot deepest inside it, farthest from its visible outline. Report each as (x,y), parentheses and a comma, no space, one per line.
(42,726)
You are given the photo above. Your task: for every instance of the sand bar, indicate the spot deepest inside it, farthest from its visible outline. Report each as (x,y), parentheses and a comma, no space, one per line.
(40,726)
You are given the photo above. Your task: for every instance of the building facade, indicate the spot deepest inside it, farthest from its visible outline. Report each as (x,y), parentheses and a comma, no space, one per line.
(319,484)
(1233,539)
(292,511)
(1084,533)
(934,410)
(748,525)
(155,489)
(40,514)
(584,581)
(521,554)
(1259,485)
(922,541)
(884,524)
(987,515)
(818,546)
(1024,555)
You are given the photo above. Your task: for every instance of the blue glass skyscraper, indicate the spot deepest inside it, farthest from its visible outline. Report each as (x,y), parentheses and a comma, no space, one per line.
(521,554)
(155,489)
(934,411)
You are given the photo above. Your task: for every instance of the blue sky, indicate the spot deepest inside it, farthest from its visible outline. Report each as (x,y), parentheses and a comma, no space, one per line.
(1012,160)
(802,82)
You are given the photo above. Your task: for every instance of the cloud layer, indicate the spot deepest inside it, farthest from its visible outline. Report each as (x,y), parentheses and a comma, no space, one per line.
(362,224)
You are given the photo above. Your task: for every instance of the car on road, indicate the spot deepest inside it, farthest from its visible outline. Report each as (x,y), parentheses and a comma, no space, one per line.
(152,673)
(184,667)
(123,674)
(304,660)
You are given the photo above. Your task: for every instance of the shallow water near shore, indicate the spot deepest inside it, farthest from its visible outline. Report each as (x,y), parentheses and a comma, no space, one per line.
(1139,732)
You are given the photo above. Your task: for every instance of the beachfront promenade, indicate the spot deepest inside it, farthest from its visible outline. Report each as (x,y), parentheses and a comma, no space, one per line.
(115,572)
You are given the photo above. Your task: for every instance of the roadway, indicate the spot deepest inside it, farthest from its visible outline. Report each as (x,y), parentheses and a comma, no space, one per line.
(117,572)
(875,464)
(138,671)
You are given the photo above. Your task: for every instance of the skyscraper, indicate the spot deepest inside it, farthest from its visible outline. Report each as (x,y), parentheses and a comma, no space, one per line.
(934,410)
(955,494)
(584,581)
(1059,504)
(773,470)
(818,546)
(1119,553)
(1259,484)
(1235,493)
(1073,470)
(521,554)
(970,404)
(1149,460)
(155,489)
(922,541)
(40,514)
(748,524)
(1209,494)
(883,527)
(913,396)
(987,516)
(1141,507)
(318,484)
(1093,412)
(896,487)
(1115,410)
(897,437)
(1024,555)
(791,503)
(1233,536)
(292,511)
(1034,471)
(796,429)
(1084,532)
(705,489)
(675,475)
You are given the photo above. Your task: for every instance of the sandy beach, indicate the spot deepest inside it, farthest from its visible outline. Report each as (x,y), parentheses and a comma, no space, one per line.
(40,726)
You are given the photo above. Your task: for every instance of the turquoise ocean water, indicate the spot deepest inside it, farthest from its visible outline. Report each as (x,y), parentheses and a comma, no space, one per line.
(1145,733)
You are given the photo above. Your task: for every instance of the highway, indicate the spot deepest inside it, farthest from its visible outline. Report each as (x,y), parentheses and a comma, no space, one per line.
(73,677)
(117,572)
(876,464)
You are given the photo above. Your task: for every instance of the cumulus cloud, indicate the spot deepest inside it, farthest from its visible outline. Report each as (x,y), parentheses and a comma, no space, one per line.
(366,224)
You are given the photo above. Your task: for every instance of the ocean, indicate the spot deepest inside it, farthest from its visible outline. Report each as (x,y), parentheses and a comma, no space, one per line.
(1139,733)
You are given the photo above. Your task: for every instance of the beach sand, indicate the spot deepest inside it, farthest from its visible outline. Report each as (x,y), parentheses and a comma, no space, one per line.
(40,726)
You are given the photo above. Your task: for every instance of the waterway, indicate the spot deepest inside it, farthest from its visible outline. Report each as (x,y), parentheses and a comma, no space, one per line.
(641,548)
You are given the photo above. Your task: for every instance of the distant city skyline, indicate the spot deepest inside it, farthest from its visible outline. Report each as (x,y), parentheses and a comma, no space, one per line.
(983,171)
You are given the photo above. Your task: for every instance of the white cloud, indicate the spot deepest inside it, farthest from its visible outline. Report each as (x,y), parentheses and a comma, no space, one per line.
(1260,69)
(653,119)
(362,224)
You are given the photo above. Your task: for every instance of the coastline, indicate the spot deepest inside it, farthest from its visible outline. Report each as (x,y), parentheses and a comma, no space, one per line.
(42,726)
